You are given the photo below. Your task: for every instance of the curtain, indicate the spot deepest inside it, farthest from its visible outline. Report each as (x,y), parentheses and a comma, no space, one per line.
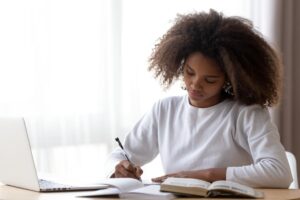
(290,44)
(59,64)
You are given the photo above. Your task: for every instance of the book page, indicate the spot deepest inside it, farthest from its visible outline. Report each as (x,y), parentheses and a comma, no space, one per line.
(148,192)
(117,186)
(149,182)
(186,182)
(99,193)
(123,184)
(236,188)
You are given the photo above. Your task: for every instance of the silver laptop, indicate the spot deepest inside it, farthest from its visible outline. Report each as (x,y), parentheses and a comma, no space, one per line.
(17,166)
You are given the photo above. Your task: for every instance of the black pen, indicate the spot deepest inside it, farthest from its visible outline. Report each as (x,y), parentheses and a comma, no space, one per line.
(121,146)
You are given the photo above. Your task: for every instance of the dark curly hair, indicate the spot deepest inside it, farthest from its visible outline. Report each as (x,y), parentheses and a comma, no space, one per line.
(250,64)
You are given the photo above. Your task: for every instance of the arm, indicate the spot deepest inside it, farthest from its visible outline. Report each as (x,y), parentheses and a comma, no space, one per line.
(140,145)
(259,137)
(256,134)
(210,175)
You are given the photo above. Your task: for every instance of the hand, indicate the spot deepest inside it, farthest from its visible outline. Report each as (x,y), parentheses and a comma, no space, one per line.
(209,175)
(127,169)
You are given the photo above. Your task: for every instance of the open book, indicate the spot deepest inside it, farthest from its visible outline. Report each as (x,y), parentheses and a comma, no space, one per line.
(196,187)
(129,188)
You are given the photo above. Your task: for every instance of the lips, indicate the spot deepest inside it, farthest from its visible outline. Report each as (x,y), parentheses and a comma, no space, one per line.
(196,94)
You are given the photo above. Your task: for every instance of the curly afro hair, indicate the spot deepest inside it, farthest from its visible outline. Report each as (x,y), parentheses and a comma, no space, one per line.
(250,64)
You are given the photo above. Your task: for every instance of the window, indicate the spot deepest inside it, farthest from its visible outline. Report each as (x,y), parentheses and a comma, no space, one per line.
(77,70)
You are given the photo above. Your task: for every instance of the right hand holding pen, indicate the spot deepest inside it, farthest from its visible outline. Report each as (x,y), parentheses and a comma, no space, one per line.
(127,169)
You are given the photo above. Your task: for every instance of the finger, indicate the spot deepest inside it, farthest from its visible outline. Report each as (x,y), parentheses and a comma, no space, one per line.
(159,179)
(163,178)
(127,169)
(138,171)
(128,165)
(118,175)
(125,163)
(121,171)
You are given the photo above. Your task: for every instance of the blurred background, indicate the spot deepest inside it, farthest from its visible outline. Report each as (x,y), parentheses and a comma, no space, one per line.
(77,71)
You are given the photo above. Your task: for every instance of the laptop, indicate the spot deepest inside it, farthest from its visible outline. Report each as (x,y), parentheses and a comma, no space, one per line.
(17,166)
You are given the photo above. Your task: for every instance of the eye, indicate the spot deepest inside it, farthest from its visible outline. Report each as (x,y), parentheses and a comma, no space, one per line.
(210,80)
(189,71)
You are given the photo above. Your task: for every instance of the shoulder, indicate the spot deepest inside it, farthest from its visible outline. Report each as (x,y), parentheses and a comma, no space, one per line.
(168,105)
(241,109)
(252,116)
(252,111)
(245,114)
(171,101)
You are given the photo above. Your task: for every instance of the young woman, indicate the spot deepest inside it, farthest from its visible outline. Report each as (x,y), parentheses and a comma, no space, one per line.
(220,130)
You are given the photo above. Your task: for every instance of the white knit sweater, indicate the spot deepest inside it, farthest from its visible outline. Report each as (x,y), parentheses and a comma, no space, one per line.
(241,138)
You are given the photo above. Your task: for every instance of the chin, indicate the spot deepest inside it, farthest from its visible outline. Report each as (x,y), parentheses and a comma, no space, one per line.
(196,102)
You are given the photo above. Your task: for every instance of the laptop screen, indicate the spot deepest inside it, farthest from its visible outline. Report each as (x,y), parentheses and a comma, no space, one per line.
(17,165)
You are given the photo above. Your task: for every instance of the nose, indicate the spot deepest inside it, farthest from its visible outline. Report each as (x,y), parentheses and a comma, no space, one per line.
(197,83)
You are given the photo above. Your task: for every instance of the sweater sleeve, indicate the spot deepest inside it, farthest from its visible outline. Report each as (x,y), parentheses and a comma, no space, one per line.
(141,143)
(260,138)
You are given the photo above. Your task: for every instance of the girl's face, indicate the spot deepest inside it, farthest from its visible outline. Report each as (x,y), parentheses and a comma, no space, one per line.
(204,80)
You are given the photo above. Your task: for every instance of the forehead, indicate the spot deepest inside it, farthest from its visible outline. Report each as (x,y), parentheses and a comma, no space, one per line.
(198,62)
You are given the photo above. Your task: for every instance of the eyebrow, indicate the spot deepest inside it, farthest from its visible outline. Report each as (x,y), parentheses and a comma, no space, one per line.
(209,76)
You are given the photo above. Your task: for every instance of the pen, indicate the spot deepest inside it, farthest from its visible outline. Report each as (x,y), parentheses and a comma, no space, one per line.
(121,146)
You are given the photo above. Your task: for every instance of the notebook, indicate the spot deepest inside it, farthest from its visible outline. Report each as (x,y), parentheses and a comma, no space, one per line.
(129,188)
(17,166)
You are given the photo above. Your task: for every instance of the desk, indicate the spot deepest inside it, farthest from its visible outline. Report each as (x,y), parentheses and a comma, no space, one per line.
(12,193)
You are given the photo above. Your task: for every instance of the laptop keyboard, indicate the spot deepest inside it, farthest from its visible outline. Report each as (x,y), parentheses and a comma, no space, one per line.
(52,186)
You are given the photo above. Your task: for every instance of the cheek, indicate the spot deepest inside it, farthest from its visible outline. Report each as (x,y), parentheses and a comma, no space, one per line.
(214,89)
(218,89)
(186,80)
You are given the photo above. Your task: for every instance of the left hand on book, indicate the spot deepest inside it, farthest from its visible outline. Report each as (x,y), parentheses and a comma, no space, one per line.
(210,175)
